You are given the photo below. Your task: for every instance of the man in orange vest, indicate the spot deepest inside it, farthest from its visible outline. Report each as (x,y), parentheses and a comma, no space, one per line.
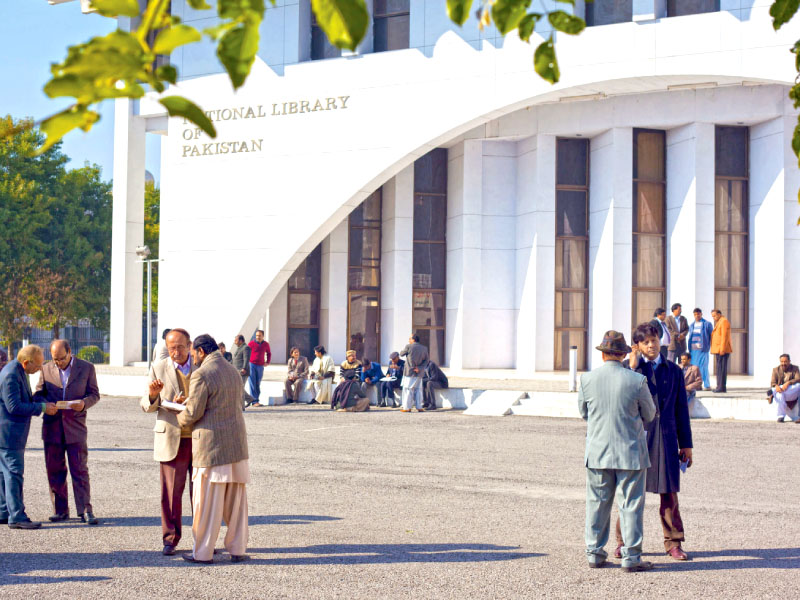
(721,349)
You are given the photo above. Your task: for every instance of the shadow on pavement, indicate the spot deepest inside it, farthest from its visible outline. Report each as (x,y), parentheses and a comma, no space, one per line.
(740,558)
(11,579)
(187,521)
(100,450)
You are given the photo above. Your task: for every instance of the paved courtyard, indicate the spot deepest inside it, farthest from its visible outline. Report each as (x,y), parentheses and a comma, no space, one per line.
(390,505)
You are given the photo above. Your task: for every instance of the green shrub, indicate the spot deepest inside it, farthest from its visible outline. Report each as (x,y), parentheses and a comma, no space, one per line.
(91,353)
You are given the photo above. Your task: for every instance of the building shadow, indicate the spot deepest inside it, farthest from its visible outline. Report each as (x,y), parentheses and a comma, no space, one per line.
(187,521)
(14,579)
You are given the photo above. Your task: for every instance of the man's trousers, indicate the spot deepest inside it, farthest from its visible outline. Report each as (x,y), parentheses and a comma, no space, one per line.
(412,392)
(601,485)
(429,394)
(671,522)
(78,457)
(293,389)
(256,375)
(246,398)
(214,503)
(173,482)
(792,393)
(700,360)
(12,469)
(721,371)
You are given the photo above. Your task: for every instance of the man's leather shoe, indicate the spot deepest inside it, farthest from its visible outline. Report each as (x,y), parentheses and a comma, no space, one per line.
(59,517)
(780,419)
(677,553)
(618,552)
(237,558)
(189,557)
(597,565)
(640,566)
(168,550)
(25,525)
(88,517)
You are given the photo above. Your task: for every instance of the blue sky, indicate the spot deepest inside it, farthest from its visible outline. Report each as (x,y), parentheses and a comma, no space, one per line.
(34,34)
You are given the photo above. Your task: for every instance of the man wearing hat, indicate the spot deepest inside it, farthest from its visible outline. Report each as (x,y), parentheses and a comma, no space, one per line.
(617,405)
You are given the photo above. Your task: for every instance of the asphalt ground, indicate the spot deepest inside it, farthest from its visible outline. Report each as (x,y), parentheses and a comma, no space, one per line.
(390,505)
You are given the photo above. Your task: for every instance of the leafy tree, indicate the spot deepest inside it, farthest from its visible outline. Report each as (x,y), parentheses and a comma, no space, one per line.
(152,227)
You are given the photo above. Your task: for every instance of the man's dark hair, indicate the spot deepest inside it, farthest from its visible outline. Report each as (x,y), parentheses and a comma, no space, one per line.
(291,351)
(676,305)
(687,355)
(165,332)
(320,349)
(415,337)
(366,361)
(716,310)
(697,310)
(183,332)
(206,343)
(222,345)
(789,358)
(644,331)
(261,331)
(658,311)
(240,338)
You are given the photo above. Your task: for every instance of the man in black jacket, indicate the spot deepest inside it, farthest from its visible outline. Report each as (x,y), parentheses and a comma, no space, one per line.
(432,379)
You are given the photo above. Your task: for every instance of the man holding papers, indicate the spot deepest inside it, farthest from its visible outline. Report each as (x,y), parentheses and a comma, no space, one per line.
(169,378)
(71,383)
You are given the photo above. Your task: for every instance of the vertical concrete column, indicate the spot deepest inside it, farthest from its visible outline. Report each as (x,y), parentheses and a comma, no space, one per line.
(464,268)
(610,235)
(791,239)
(127,233)
(767,245)
(333,296)
(690,217)
(397,254)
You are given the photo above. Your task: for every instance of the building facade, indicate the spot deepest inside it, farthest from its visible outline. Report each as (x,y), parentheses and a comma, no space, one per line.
(432,182)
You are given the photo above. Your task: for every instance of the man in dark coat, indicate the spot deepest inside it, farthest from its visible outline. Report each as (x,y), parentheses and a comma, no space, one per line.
(669,436)
(432,379)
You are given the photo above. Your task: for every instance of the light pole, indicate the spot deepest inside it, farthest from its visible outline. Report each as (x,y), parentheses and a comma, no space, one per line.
(143,252)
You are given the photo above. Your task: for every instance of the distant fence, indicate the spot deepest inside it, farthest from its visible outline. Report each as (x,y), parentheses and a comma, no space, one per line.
(78,336)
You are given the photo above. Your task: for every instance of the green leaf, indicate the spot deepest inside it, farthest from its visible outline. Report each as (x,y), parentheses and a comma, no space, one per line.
(238,9)
(181,107)
(458,10)
(507,14)
(562,21)
(544,61)
(62,123)
(167,73)
(237,52)
(344,21)
(568,1)
(782,11)
(68,85)
(198,4)
(175,36)
(796,141)
(218,31)
(527,26)
(116,8)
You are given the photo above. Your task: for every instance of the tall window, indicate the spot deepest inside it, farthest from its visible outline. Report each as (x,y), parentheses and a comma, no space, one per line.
(731,219)
(572,250)
(430,251)
(321,48)
(649,224)
(606,12)
(303,311)
(677,8)
(391,24)
(364,279)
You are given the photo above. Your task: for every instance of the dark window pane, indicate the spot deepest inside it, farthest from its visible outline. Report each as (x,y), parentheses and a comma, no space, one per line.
(381,8)
(570,213)
(648,158)
(570,263)
(304,338)
(565,339)
(649,209)
(364,317)
(368,213)
(363,277)
(433,339)
(428,309)
(308,275)
(430,220)
(391,33)
(570,309)
(321,48)
(731,206)
(429,266)
(678,8)
(648,261)
(430,172)
(730,149)
(571,163)
(606,12)
(303,309)
(365,247)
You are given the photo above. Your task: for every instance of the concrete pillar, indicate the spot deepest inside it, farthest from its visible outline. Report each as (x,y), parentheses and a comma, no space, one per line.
(464,274)
(277,321)
(648,10)
(791,238)
(333,296)
(610,235)
(127,233)
(767,245)
(397,249)
(690,218)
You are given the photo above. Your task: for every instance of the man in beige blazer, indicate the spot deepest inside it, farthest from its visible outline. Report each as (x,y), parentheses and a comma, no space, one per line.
(67,377)
(219,453)
(169,379)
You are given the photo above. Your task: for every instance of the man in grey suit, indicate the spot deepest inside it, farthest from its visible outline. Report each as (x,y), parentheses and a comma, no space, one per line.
(616,403)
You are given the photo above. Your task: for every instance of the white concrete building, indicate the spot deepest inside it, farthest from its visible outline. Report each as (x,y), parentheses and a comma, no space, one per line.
(432,182)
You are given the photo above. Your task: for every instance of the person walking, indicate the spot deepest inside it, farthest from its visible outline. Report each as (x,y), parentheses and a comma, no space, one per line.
(617,405)
(241,360)
(260,357)
(68,378)
(700,345)
(721,348)
(220,468)
(17,406)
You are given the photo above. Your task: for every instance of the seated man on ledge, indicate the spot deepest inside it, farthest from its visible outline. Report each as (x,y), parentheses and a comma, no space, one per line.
(785,389)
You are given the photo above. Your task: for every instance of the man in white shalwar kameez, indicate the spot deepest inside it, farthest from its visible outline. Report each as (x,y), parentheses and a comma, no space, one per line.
(321,376)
